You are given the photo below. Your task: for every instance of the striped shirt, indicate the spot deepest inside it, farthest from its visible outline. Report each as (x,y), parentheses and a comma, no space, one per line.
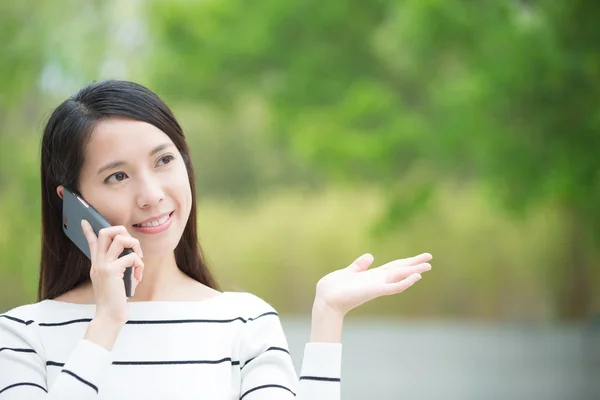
(228,347)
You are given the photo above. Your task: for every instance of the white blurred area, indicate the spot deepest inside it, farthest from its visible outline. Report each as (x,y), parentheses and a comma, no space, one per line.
(462,360)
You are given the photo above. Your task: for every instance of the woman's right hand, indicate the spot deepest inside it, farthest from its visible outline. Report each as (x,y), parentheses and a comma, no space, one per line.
(108,269)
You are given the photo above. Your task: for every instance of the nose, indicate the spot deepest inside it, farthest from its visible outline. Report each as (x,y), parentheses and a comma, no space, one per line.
(150,193)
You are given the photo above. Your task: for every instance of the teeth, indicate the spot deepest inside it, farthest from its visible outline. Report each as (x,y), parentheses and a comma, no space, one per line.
(155,223)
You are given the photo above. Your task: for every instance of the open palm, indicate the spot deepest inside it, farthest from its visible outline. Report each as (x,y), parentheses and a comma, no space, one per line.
(348,288)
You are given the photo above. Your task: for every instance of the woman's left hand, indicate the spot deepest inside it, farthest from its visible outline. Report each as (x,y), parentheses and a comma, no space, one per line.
(348,288)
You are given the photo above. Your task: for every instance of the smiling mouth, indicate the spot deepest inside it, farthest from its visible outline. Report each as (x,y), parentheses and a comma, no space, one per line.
(155,223)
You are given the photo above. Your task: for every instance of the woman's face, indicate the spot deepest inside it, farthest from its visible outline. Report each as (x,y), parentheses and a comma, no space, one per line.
(134,176)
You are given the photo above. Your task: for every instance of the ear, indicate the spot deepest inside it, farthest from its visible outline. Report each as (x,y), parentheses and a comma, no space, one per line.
(59,191)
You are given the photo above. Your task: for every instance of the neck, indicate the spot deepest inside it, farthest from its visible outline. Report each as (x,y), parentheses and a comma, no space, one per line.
(160,279)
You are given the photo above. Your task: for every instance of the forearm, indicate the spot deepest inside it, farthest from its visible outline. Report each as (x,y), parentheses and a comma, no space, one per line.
(327,324)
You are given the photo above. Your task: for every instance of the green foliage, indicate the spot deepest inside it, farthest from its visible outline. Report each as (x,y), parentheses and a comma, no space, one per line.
(504,92)
(20,64)
(34,55)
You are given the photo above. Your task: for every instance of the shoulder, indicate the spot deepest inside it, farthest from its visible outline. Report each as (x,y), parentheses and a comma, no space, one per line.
(18,327)
(250,305)
(23,315)
(32,316)
(261,323)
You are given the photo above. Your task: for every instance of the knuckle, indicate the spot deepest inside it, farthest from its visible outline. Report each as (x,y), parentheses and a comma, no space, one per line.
(119,239)
(124,239)
(101,270)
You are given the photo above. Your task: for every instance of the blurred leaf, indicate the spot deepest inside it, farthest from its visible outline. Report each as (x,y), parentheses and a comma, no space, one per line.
(505,92)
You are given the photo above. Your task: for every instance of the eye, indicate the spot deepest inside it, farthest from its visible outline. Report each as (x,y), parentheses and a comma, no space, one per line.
(166,159)
(120,176)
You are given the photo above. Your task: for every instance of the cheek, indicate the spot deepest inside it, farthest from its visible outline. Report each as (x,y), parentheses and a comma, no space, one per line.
(107,206)
(113,214)
(183,191)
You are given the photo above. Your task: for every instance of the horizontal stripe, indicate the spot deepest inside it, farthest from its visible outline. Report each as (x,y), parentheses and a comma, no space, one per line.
(73,321)
(80,379)
(17,320)
(54,364)
(265,387)
(319,378)
(165,362)
(175,362)
(23,384)
(164,321)
(269,349)
(17,350)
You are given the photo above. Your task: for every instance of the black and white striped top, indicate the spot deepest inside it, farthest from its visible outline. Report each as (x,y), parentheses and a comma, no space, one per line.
(228,347)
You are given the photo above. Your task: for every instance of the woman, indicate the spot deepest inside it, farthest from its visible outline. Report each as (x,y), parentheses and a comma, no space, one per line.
(178,337)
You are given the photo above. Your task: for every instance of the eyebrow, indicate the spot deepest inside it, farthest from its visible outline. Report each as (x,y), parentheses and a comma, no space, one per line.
(116,164)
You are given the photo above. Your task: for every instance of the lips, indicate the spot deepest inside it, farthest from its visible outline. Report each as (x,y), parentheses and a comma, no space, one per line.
(154,221)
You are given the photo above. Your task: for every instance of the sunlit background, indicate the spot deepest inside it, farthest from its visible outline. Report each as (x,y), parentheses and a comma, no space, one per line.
(324,130)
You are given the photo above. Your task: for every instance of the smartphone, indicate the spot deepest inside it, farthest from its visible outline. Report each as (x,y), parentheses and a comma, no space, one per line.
(75,209)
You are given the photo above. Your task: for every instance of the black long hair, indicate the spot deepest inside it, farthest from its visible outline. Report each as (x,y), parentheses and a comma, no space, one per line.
(67,132)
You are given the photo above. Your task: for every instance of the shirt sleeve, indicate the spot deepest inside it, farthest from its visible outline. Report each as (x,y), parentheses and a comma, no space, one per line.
(267,371)
(23,365)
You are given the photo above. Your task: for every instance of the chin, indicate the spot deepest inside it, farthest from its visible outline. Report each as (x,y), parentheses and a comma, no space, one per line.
(159,247)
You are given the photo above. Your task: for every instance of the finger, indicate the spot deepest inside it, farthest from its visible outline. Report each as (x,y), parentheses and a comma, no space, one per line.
(419,259)
(91,238)
(361,263)
(401,272)
(115,268)
(398,287)
(130,260)
(138,273)
(121,243)
(106,236)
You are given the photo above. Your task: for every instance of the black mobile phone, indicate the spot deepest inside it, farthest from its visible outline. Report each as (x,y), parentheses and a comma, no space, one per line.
(75,209)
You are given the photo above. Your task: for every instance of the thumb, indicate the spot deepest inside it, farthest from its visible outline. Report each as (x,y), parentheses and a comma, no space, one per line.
(361,263)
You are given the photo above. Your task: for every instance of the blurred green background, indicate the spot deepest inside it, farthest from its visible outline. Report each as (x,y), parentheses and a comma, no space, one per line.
(323,130)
